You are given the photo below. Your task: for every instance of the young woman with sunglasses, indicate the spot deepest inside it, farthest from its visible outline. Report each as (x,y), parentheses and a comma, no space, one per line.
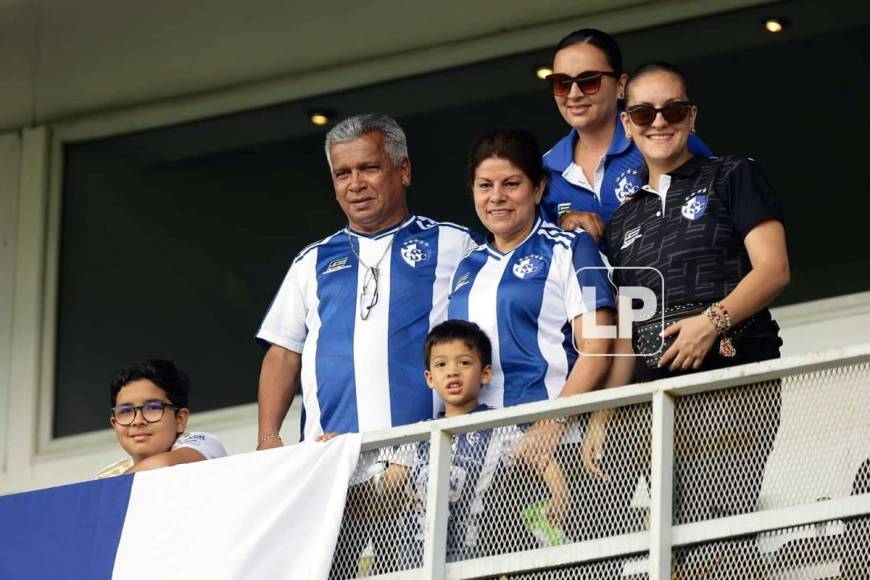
(593,169)
(709,232)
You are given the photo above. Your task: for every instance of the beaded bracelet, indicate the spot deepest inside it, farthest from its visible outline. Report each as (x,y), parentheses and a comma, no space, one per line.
(718,315)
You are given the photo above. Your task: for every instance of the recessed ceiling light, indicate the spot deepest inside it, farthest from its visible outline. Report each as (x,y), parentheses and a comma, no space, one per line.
(319,117)
(773,25)
(543,71)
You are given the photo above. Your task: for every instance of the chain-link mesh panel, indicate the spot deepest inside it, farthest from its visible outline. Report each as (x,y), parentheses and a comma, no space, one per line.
(772,444)
(722,440)
(382,526)
(629,568)
(533,489)
(824,437)
(834,549)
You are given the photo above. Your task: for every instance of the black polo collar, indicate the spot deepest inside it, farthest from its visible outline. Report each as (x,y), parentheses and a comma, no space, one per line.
(687,169)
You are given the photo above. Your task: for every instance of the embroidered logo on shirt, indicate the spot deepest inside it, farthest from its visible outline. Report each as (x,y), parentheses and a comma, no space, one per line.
(528,266)
(336,265)
(463,280)
(563,208)
(415,252)
(695,207)
(630,237)
(627,184)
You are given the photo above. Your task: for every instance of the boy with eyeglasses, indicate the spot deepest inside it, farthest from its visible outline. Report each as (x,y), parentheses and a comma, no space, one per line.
(149,414)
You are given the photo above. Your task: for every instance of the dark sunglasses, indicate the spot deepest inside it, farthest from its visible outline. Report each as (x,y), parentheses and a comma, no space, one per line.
(589,82)
(643,115)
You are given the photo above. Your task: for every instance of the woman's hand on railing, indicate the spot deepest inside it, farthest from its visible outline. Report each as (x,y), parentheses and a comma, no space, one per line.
(592,450)
(696,335)
(538,445)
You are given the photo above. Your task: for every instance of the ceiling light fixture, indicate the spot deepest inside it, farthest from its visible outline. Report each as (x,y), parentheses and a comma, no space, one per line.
(543,71)
(319,117)
(773,25)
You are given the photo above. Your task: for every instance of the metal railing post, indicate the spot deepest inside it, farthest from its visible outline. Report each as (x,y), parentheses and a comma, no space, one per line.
(437,507)
(661,486)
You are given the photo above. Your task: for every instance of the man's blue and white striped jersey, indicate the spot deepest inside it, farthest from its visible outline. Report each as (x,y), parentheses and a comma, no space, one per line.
(363,375)
(524,300)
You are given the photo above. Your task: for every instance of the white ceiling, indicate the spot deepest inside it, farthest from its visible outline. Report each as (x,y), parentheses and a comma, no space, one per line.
(61,59)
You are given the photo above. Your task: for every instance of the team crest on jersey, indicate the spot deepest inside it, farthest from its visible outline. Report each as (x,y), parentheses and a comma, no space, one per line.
(416,252)
(627,184)
(336,265)
(528,266)
(695,207)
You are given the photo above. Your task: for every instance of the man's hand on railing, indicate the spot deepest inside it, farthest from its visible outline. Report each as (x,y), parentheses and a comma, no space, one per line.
(592,450)
(326,437)
(538,445)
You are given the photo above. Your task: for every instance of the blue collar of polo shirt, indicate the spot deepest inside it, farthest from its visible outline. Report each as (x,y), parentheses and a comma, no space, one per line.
(562,154)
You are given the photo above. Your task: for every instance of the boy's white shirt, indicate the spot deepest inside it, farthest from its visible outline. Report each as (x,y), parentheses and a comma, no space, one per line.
(206,444)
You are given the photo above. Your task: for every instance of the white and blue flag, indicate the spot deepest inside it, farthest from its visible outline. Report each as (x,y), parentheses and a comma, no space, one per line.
(270,514)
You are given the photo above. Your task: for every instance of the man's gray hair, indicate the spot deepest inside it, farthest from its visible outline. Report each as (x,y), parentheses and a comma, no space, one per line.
(355,127)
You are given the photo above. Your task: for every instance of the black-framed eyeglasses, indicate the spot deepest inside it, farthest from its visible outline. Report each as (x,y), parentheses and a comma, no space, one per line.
(589,82)
(152,412)
(643,115)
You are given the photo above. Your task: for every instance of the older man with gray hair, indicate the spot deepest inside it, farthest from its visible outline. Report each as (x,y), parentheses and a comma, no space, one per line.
(352,314)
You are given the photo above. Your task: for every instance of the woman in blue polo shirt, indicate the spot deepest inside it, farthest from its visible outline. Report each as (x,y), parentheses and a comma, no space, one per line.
(594,168)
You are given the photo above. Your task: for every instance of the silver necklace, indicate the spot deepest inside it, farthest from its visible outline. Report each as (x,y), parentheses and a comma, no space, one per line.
(369,294)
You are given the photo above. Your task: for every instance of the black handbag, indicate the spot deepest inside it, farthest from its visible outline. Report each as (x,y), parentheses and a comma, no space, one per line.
(647,337)
(648,343)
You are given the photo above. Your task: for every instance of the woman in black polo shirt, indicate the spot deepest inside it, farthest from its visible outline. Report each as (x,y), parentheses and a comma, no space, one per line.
(711,226)
(709,233)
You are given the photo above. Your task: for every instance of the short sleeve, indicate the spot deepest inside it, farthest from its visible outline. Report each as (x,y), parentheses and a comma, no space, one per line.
(207,445)
(749,197)
(284,323)
(587,287)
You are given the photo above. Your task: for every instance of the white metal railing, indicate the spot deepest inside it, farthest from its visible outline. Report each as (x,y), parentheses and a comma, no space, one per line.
(661,538)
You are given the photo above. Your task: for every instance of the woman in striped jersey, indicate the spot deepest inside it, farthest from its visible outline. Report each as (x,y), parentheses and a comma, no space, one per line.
(535,289)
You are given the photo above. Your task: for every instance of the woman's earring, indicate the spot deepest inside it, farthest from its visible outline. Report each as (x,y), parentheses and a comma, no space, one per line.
(692,130)
(628,136)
